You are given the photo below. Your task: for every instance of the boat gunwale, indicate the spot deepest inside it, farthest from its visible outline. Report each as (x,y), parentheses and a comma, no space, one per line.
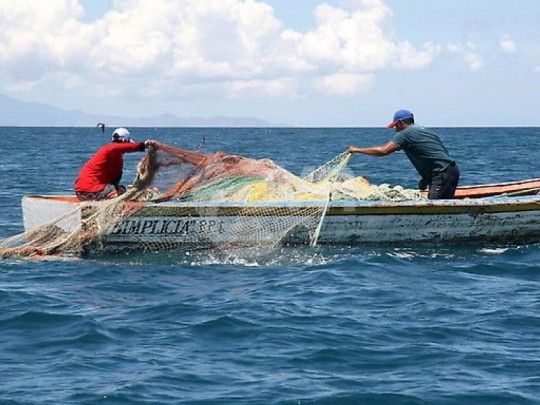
(340,208)
(490,202)
(336,204)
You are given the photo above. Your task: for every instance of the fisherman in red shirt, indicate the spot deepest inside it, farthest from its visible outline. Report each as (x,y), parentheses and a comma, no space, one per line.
(100,177)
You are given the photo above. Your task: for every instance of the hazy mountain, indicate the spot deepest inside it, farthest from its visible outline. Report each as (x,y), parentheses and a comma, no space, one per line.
(19,113)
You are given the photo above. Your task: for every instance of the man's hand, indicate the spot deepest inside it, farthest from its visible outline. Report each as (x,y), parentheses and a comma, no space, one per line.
(422,185)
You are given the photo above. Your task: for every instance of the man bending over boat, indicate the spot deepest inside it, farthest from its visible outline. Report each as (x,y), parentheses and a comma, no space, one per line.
(426,152)
(100,177)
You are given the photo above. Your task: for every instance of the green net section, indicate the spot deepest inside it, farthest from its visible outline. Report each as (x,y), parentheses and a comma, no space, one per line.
(182,199)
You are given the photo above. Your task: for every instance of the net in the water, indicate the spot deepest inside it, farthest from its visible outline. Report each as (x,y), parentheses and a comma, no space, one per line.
(176,191)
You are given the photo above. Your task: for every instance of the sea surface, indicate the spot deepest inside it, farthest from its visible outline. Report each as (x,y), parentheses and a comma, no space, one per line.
(299,325)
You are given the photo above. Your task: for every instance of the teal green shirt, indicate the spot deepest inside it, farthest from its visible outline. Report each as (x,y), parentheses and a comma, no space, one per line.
(424,149)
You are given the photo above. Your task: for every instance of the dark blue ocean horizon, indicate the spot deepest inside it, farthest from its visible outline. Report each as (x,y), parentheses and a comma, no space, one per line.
(296,325)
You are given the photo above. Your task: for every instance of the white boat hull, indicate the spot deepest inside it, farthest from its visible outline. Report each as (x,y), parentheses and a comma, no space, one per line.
(509,220)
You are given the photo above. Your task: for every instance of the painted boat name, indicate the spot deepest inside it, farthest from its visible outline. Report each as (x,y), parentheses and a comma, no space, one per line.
(168,226)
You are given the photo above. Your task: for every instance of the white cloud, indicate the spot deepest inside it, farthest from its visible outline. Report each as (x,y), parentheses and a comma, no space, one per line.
(352,43)
(356,40)
(284,87)
(151,47)
(411,58)
(473,60)
(38,37)
(345,84)
(507,44)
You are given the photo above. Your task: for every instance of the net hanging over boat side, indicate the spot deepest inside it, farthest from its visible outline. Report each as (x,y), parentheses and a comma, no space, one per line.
(184,199)
(258,200)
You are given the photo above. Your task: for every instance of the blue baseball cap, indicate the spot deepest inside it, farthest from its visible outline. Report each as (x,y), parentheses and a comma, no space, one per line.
(400,115)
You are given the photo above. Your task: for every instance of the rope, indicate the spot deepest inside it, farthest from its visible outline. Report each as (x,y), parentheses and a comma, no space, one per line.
(346,156)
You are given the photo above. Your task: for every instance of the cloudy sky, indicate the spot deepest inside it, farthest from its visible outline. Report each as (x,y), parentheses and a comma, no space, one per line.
(292,62)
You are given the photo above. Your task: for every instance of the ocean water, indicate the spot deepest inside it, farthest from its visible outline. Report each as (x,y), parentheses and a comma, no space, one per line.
(295,325)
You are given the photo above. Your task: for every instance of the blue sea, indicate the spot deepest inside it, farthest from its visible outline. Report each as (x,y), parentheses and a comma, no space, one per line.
(318,325)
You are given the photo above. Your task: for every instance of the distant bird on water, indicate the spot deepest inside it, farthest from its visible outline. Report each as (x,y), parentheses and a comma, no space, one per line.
(101,125)
(203,141)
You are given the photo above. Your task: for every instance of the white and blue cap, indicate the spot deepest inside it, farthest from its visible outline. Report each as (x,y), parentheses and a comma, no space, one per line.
(400,116)
(121,135)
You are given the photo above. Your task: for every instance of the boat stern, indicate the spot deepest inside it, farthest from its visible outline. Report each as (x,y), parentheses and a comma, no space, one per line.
(64,211)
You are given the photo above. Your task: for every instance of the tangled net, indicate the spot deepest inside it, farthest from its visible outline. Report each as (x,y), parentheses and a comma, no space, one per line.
(173,182)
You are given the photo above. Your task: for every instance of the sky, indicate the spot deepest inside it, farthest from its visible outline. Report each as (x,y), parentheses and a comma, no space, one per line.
(312,63)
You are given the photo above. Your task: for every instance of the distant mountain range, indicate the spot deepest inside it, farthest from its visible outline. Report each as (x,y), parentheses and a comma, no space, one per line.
(26,114)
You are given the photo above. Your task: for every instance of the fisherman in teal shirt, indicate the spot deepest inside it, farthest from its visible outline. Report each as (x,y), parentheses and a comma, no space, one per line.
(425,150)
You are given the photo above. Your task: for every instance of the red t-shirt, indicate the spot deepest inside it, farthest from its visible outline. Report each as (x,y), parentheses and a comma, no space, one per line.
(105,167)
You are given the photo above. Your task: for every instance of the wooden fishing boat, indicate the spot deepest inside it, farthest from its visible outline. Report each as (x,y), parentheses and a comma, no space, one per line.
(505,213)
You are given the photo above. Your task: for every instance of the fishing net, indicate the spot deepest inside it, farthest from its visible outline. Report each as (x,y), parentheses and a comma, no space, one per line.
(188,200)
